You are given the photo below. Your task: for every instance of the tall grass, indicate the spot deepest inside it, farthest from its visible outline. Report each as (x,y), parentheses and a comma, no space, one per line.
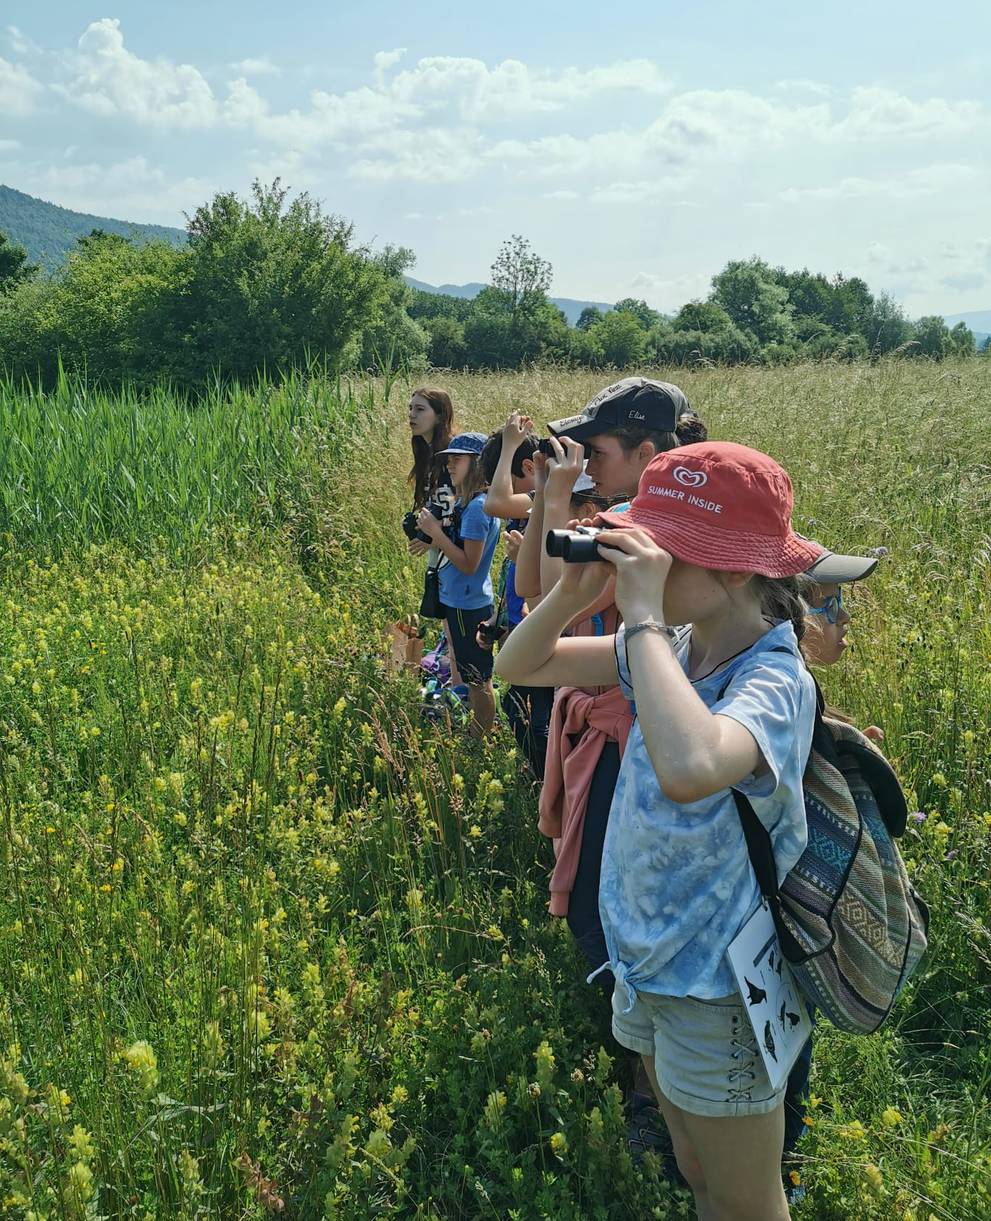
(266,943)
(84,465)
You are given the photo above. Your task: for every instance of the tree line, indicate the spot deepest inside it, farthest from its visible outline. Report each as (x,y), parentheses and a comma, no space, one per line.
(271,283)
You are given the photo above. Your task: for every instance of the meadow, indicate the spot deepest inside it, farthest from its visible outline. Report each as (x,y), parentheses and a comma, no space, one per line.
(268,944)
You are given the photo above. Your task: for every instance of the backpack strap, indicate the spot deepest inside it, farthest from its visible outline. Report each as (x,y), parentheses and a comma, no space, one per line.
(759,849)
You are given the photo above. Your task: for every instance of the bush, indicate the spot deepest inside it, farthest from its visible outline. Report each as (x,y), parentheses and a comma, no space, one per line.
(447,342)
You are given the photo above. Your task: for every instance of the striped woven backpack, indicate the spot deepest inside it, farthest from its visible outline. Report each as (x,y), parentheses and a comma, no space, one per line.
(849,921)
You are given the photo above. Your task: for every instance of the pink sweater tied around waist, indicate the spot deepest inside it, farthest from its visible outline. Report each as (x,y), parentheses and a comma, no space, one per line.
(588,721)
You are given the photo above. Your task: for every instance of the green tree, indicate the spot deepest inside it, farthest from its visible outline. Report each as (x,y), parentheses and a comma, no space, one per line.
(435,305)
(887,328)
(273,284)
(809,294)
(747,291)
(702,316)
(962,340)
(521,278)
(588,317)
(447,342)
(586,348)
(391,339)
(111,313)
(853,306)
(639,309)
(14,266)
(621,338)
(932,337)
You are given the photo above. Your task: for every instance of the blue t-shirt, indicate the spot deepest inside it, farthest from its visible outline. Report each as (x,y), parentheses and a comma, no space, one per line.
(514,603)
(677,884)
(460,590)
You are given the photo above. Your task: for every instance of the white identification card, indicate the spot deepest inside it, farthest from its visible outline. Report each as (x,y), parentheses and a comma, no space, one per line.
(773,1003)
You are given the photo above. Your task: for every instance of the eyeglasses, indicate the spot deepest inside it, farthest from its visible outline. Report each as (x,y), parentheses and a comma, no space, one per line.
(831,607)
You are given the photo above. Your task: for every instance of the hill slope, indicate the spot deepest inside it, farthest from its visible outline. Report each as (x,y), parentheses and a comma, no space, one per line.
(48,233)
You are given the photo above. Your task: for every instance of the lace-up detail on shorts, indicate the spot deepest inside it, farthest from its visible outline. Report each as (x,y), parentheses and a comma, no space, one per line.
(704,1051)
(743,1076)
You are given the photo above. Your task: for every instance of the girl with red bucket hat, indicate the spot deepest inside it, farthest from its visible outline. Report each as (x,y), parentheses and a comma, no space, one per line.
(707,582)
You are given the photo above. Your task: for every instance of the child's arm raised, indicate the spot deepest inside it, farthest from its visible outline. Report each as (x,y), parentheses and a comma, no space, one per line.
(694,753)
(501,500)
(562,473)
(534,655)
(528,560)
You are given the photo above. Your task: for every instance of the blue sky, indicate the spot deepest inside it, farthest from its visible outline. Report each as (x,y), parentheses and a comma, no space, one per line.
(638,151)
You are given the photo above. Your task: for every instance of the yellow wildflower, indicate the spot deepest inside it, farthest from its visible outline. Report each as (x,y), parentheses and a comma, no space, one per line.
(874,1180)
(140,1059)
(891,1117)
(559,1144)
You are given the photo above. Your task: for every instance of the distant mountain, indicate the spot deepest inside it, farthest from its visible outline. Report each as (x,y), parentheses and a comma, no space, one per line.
(567,305)
(48,233)
(979,322)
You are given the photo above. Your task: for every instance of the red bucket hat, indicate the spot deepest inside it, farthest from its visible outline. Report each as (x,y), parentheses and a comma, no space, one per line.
(719,505)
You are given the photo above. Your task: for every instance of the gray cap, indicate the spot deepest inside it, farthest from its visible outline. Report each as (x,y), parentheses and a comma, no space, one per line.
(833,569)
(634,402)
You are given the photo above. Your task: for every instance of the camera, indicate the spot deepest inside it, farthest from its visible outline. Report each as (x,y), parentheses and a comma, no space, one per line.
(578,546)
(544,447)
(491,633)
(410,527)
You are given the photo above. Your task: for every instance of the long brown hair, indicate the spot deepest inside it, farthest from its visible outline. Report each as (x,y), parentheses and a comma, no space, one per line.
(426,465)
(475,482)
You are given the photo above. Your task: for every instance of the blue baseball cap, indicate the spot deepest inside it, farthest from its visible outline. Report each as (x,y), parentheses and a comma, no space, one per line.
(466,443)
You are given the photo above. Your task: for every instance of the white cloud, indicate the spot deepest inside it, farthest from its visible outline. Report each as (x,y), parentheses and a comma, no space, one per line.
(19,91)
(131,189)
(108,79)
(724,126)
(384,60)
(926,180)
(882,114)
(800,85)
(512,89)
(296,171)
(262,66)
(331,119)
(9,146)
(425,155)
(668,293)
(19,41)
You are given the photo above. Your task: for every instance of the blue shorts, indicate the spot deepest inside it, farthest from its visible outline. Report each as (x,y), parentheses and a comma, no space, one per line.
(474,663)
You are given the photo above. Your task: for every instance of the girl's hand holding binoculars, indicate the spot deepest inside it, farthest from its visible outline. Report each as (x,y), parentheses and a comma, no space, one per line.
(641,568)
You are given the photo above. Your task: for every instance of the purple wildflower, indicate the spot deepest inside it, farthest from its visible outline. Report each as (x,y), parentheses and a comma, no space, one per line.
(918,816)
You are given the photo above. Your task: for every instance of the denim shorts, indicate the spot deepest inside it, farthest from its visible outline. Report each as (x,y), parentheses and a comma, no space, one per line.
(704,1052)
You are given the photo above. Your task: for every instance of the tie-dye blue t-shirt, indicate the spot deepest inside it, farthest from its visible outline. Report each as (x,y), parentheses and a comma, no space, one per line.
(677,884)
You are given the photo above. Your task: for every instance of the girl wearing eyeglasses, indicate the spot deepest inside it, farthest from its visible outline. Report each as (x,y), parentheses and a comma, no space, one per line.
(827,618)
